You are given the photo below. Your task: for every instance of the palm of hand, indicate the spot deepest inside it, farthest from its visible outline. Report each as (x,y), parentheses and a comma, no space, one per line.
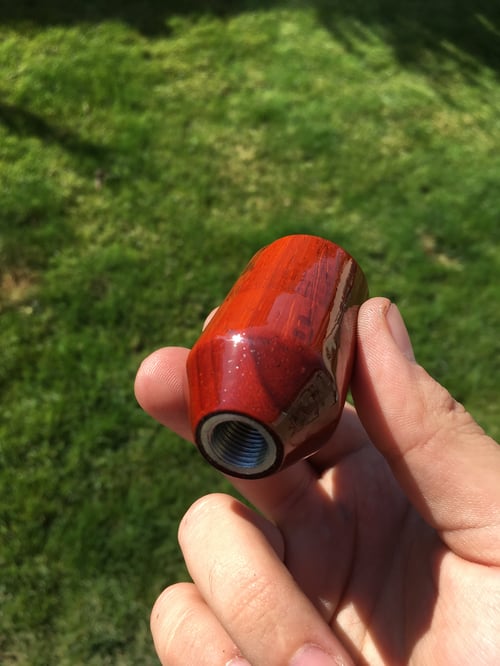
(381,577)
(395,542)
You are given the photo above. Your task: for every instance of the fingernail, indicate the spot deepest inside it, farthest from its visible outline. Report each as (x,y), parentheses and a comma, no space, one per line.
(238,661)
(398,331)
(311,655)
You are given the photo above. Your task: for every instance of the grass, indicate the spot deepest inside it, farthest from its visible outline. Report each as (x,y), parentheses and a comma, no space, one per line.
(144,156)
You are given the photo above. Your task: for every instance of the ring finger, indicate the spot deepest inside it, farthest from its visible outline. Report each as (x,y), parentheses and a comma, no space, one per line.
(185,631)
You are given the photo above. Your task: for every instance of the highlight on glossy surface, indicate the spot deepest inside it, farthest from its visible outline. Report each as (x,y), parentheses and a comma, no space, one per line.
(269,375)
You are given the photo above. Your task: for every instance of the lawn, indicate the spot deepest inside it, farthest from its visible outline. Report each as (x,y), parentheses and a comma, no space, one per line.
(146,152)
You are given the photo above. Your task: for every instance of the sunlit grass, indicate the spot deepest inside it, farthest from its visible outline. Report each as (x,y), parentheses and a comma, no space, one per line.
(138,175)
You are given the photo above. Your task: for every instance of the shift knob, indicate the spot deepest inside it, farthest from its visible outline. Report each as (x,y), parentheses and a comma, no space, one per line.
(268,376)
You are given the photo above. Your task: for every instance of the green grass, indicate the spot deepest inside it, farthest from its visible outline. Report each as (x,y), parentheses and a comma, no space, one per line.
(145,154)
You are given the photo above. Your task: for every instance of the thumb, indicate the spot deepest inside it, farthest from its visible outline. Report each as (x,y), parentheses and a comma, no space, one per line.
(446,465)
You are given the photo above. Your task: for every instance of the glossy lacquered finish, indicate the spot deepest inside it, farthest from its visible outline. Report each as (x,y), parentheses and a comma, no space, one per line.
(269,375)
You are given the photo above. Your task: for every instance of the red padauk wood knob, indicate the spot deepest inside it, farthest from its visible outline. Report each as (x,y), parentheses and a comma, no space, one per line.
(269,375)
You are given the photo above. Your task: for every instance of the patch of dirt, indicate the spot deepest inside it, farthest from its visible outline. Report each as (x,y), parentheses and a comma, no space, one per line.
(430,247)
(16,286)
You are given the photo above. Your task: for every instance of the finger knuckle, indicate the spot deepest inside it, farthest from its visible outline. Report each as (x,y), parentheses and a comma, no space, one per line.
(201,513)
(172,618)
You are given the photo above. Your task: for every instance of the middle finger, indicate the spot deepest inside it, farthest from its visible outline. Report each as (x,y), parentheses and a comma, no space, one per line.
(233,557)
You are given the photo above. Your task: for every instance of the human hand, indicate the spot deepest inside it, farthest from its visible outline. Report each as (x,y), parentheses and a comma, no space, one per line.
(382,548)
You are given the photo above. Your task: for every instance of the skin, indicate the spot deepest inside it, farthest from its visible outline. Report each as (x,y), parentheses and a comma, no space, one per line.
(383,548)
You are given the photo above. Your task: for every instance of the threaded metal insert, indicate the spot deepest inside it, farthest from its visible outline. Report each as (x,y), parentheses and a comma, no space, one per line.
(237,444)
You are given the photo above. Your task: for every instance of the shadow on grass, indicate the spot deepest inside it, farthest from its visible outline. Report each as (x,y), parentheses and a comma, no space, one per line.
(37,225)
(23,122)
(466,30)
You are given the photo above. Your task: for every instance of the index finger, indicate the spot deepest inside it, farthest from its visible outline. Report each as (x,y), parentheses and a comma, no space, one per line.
(161,390)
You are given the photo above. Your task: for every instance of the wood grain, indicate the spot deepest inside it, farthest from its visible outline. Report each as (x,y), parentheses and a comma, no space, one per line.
(280,348)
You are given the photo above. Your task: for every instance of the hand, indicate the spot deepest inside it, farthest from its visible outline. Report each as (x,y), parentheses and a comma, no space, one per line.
(383,548)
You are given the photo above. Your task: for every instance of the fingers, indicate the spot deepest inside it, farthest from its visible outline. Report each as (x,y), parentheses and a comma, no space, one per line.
(209,318)
(185,631)
(447,466)
(160,388)
(234,557)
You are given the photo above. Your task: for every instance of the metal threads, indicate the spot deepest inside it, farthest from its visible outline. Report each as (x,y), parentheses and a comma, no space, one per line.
(238,444)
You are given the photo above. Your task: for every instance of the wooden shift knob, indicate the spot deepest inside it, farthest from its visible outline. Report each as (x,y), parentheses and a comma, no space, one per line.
(269,375)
